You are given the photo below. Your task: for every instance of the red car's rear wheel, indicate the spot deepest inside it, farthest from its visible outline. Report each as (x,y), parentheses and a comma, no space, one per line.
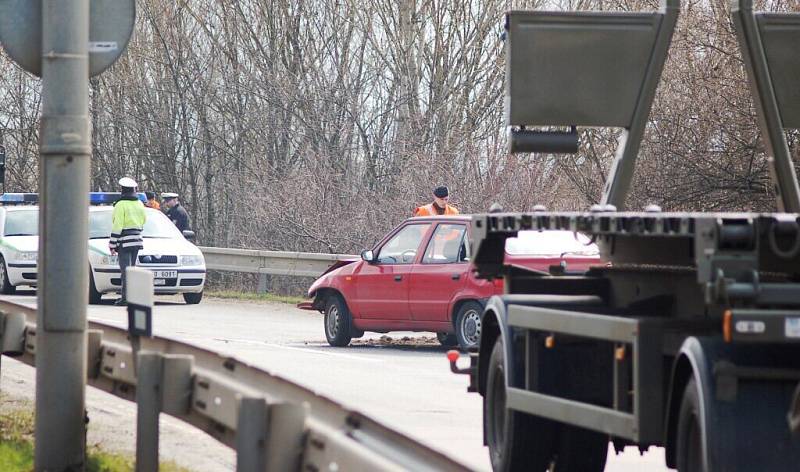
(468,325)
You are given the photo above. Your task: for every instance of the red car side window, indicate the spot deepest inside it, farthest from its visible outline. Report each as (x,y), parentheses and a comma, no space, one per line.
(445,246)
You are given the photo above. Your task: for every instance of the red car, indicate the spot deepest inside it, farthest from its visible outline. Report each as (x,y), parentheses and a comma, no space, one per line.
(418,278)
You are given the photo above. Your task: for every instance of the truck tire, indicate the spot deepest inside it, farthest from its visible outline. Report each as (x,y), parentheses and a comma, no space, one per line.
(447,339)
(338,322)
(468,325)
(5,285)
(517,441)
(689,447)
(581,450)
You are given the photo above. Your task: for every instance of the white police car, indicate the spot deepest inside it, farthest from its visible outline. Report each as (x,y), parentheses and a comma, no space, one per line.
(19,240)
(178,266)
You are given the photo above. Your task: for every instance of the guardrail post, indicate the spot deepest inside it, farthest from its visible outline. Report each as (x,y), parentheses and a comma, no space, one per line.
(263,280)
(251,435)
(176,381)
(148,402)
(13,341)
(94,350)
(12,334)
(285,436)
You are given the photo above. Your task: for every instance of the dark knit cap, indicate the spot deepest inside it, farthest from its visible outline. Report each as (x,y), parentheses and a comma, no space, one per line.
(440,192)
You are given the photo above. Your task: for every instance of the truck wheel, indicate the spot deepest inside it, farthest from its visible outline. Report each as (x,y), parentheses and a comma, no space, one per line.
(581,450)
(5,285)
(337,322)
(468,325)
(516,440)
(447,339)
(689,448)
(94,295)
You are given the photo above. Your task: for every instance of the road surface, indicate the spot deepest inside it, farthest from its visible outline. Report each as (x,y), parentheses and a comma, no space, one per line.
(404,382)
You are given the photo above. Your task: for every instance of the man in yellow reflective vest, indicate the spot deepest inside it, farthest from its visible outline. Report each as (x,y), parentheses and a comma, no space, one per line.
(441,195)
(126,230)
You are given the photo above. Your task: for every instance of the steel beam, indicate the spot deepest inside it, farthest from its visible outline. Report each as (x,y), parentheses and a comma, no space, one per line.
(762,88)
(620,176)
(585,415)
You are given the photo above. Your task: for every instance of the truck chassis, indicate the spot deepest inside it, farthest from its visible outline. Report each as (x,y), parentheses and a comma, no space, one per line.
(689,336)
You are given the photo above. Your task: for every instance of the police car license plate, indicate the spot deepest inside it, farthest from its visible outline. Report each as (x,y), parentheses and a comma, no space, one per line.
(164,274)
(792,328)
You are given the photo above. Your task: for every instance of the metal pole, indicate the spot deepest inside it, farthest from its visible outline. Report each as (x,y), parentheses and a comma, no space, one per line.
(148,408)
(63,265)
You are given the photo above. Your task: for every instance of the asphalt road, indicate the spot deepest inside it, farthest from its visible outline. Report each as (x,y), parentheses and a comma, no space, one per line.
(404,383)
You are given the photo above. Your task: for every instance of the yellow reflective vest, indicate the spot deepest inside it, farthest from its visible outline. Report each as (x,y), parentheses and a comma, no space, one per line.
(127,224)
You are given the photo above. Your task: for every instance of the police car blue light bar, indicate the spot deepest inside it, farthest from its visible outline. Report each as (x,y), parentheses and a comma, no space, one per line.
(108,198)
(17,198)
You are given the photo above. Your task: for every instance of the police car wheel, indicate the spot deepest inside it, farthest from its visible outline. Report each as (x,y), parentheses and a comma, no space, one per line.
(5,285)
(94,295)
(192,298)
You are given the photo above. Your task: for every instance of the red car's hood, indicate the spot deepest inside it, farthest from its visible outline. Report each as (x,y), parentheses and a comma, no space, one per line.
(339,263)
(341,267)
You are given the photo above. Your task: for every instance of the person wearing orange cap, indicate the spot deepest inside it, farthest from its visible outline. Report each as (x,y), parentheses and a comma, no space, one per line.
(439,206)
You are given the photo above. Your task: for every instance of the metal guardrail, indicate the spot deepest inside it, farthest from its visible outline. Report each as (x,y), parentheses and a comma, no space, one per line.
(272,423)
(270,262)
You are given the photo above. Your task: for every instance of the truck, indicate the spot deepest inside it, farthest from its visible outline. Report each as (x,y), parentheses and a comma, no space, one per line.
(687,337)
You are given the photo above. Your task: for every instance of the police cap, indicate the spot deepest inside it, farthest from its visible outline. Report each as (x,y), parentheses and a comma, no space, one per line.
(127,182)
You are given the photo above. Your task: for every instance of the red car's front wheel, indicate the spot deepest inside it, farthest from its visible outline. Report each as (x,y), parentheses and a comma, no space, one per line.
(338,322)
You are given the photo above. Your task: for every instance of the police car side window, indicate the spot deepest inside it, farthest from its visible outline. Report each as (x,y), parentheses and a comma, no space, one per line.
(402,247)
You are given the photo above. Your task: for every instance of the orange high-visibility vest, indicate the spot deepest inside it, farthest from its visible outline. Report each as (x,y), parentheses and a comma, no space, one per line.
(428,210)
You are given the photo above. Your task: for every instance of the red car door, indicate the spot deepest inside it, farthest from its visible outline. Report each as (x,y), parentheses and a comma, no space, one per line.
(382,286)
(440,274)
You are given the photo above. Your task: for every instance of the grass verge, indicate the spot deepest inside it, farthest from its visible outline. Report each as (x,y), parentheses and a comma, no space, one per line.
(16,449)
(261,297)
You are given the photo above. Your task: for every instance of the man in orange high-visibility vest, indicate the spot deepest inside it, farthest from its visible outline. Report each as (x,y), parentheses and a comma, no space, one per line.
(439,206)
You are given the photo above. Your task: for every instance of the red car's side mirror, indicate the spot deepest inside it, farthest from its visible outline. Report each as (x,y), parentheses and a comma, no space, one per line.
(368,256)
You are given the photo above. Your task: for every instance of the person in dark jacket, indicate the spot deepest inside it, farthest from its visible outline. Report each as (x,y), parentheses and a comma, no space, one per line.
(175,211)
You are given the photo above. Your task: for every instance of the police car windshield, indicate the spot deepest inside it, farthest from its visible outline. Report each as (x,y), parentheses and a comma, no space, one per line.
(156,226)
(22,223)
